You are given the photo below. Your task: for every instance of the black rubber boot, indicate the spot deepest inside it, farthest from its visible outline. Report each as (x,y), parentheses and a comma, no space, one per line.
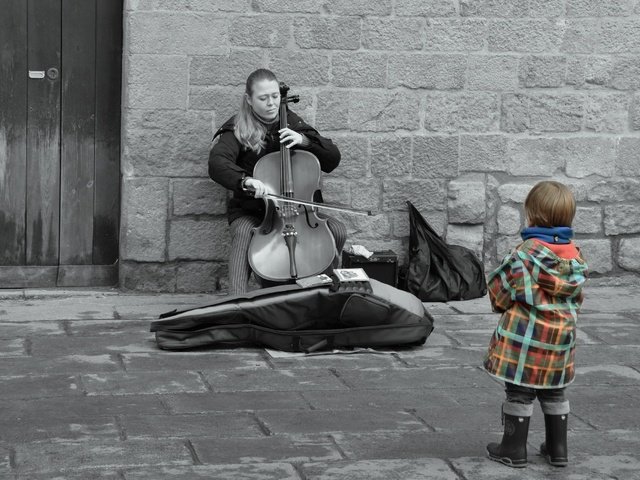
(554,448)
(512,451)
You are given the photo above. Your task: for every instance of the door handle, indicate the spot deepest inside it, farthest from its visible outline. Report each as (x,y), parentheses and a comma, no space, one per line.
(52,73)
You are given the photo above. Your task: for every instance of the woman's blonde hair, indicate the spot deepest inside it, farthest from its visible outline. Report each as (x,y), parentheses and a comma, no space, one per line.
(250,131)
(550,204)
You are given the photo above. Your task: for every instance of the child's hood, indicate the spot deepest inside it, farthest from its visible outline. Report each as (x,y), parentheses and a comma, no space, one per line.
(558,276)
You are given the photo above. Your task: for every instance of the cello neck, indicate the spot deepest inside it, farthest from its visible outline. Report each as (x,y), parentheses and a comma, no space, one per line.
(286,173)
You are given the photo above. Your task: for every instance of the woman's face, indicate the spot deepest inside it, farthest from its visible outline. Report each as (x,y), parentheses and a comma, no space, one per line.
(265,99)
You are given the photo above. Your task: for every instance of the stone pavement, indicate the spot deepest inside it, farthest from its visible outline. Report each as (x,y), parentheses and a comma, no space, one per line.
(85,393)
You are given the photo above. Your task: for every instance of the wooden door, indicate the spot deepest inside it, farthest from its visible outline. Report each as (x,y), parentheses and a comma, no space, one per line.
(60,77)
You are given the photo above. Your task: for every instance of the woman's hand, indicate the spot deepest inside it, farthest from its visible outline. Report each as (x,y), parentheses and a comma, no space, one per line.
(293,138)
(259,189)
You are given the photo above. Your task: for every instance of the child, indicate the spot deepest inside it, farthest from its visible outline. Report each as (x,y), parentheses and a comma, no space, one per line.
(538,290)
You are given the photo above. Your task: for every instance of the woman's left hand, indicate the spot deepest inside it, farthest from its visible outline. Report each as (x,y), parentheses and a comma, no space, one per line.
(293,138)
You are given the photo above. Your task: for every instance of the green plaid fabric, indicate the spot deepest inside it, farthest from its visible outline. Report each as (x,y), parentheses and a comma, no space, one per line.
(539,295)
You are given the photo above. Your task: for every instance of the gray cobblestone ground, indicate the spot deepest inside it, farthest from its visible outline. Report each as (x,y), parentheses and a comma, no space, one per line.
(85,394)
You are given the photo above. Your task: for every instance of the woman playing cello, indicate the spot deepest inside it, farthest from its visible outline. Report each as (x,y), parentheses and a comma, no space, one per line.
(245,138)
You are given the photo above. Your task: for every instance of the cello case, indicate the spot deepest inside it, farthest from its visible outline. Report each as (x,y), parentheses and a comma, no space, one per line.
(301,319)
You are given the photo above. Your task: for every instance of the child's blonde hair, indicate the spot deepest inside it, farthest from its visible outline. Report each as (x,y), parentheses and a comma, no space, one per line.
(550,204)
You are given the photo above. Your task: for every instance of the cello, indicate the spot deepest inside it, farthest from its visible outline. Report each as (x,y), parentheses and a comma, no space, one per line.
(292,241)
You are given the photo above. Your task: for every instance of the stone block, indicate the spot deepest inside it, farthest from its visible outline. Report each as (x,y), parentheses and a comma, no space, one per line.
(287,6)
(468,112)
(608,112)
(466,202)
(148,277)
(483,153)
(358,7)
(178,33)
(336,191)
(401,228)
(188,5)
(377,226)
(589,72)
(536,156)
(588,220)
(365,194)
(628,161)
(166,143)
(527,35)
(222,101)
(635,112)
(196,196)
(355,157)
(435,157)
(580,35)
(420,8)
(438,72)
(391,156)
(455,35)
(590,156)
(504,245)
(541,112)
(156,82)
(619,35)
(615,190)
(426,195)
(492,72)
(199,240)
(629,254)
(621,218)
(336,33)
(368,111)
(596,8)
(310,69)
(228,69)
(199,276)
(467,236)
(509,220)
(597,254)
(509,8)
(144,219)
(267,31)
(359,69)
(392,33)
(542,71)
(514,192)
(625,73)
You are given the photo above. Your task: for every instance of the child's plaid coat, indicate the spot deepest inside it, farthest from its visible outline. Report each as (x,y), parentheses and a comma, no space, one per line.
(539,294)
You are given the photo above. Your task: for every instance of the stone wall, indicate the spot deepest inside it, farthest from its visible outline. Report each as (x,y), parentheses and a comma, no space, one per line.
(457,105)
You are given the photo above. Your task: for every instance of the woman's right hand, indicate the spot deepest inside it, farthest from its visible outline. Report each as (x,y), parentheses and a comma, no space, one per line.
(259,188)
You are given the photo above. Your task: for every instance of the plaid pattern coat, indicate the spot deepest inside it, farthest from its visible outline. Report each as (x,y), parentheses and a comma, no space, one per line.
(539,295)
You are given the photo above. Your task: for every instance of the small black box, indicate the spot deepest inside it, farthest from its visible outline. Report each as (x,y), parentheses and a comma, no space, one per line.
(382,265)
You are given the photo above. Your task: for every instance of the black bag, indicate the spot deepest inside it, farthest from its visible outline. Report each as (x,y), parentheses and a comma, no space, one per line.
(438,272)
(301,319)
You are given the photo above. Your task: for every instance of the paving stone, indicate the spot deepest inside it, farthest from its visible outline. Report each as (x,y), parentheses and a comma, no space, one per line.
(436,377)
(430,469)
(69,364)
(163,360)
(84,328)
(355,360)
(142,382)
(82,407)
(602,442)
(73,475)
(275,448)
(127,342)
(235,401)
(282,380)
(620,334)
(12,348)
(251,471)
(221,425)
(391,399)
(9,330)
(29,387)
(606,375)
(429,357)
(34,457)
(325,421)
(55,426)
(589,355)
